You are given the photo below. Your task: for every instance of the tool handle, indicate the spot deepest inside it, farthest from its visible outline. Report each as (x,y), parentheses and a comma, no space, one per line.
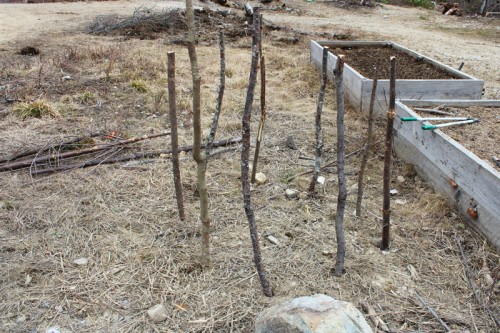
(429,127)
(409,119)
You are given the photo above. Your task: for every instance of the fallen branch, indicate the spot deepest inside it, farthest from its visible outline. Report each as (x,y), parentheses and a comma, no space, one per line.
(376,320)
(57,156)
(432,312)
(475,289)
(434,111)
(132,156)
(48,147)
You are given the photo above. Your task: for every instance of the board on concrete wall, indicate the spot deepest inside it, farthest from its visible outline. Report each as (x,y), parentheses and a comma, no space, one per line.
(439,159)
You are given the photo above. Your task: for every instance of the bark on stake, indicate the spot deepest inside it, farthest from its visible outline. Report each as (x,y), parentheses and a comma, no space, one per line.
(342,196)
(319,133)
(366,151)
(220,95)
(245,154)
(386,209)
(198,155)
(263,113)
(174,137)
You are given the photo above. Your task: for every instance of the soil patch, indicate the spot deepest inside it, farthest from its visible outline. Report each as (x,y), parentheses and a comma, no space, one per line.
(363,59)
(480,138)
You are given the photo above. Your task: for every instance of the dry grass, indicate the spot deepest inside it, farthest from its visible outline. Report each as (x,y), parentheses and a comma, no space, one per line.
(123,217)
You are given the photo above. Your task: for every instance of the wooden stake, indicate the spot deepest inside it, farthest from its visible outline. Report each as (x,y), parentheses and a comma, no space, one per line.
(319,111)
(220,95)
(386,209)
(263,113)
(245,154)
(198,156)
(366,150)
(174,137)
(342,196)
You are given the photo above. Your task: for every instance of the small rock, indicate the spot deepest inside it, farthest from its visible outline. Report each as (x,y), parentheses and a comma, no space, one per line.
(393,192)
(400,179)
(28,280)
(290,143)
(321,180)
(260,178)
(312,314)
(158,313)
(400,202)
(291,193)
(67,77)
(273,240)
(81,261)
(21,319)
(59,308)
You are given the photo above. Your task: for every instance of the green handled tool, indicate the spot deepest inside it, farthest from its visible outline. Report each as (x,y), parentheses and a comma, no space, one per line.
(456,123)
(433,118)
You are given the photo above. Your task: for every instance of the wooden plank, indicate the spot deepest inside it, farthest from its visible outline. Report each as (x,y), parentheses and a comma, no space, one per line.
(451,102)
(438,158)
(353,43)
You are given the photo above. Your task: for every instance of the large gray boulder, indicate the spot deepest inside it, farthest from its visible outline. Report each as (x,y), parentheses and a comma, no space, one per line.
(312,314)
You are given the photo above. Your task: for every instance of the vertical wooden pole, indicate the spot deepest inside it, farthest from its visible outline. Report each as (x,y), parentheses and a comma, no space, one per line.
(366,150)
(342,196)
(263,114)
(198,155)
(245,154)
(319,111)
(386,209)
(174,136)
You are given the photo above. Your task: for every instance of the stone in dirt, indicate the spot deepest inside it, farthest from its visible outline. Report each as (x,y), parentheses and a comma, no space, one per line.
(291,193)
(312,314)
(81,261)
(260,178)
(157,313)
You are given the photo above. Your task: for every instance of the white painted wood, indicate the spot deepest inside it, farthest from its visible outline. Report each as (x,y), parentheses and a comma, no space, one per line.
(358,88)
(438,158)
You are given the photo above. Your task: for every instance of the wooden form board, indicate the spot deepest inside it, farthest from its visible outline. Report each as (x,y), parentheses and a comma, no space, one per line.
(438,158)
(358,88)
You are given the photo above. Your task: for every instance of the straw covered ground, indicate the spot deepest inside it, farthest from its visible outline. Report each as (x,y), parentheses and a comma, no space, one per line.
(122,217)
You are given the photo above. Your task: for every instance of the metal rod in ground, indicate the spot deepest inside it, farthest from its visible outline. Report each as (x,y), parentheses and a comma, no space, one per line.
(366,150)
(245,154)
(174,136)
(319,111)
(386,209)
(263,113)
(342,196)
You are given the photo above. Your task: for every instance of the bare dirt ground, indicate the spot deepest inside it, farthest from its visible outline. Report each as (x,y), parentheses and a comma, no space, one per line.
(122,217)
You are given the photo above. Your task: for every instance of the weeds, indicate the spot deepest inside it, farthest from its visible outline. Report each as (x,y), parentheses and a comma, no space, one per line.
(37,109)
(427,4)
(88,97)
(139,86)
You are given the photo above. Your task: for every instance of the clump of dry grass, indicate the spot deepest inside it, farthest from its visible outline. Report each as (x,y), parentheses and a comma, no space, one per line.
(36,109)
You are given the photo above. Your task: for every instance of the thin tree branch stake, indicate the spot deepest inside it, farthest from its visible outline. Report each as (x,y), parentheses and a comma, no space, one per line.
(245,153)
(386,210)
(366,151)
(263,113)
(220,95)
(174,137)
(319,133)
(432,312)
(198,156)
(342,196)
(132,156)
(56,157)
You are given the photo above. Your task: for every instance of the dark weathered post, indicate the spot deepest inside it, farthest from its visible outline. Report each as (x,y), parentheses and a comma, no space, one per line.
(263,114)
(366,150)
(319,133)
(173,136)
(386,209)
(342,196)
(245,154)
